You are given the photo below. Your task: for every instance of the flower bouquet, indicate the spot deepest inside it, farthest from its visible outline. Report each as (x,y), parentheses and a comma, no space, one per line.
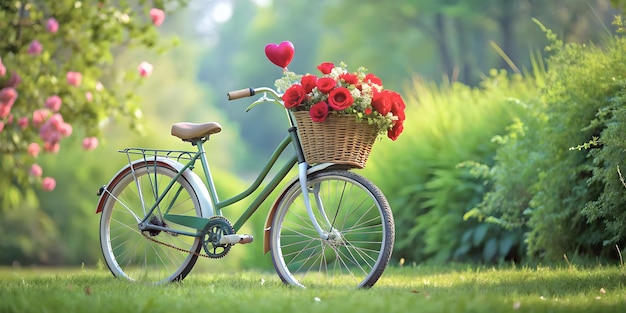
(340,113)
(338,91)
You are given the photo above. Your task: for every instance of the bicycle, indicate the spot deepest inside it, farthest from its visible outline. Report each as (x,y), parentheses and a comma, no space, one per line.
(328,225)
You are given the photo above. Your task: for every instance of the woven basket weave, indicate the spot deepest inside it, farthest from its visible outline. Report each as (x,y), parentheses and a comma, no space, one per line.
(339,139)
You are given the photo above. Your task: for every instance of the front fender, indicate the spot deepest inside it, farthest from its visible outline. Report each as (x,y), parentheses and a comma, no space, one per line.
(196,182)
(270,215)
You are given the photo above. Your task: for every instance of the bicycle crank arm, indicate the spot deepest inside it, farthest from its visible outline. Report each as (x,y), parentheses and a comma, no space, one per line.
(236,238)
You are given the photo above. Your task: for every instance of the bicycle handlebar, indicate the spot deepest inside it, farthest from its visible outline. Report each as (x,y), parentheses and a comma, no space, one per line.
(241,93)
(249,92)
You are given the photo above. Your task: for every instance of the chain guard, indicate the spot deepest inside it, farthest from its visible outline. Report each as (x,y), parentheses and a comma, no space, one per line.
(217,227)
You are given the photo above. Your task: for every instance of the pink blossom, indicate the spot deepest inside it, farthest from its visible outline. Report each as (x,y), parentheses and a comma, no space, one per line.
(52,147)
(53,130)
(8,96)
(23,122)
(65,129)
(89,96)
(48,184)
(49,133)
(14,81)
(145,69)
(99,86)
(33,149)
(3,69)
(40,116)
(35,47)
(4,110)
(90,143)
(54,103)
(35,170)
(52,25)
(74,78)
(157,16)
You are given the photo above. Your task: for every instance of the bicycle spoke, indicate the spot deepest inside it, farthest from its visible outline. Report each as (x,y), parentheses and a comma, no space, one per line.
(359,241)
(125,206)
(148,255)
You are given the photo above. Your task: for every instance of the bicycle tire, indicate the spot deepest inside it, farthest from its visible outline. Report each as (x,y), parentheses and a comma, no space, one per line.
(130,254)
(360,220)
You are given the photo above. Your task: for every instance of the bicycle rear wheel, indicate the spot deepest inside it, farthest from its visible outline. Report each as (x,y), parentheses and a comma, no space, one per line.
(136,255)
(358,219)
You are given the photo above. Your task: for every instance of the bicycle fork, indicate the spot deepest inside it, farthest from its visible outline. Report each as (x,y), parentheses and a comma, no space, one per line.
(302,176)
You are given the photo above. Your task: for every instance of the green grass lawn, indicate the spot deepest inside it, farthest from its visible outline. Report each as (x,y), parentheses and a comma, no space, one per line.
(453,288)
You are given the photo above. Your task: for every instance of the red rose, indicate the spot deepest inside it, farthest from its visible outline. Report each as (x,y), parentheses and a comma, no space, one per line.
(381,101)
(349,78)
(319,112)
(294,96)
(325,84)
(395,131)
(340,98)
(373,79)
(397,106)
(326,67)
(308,82)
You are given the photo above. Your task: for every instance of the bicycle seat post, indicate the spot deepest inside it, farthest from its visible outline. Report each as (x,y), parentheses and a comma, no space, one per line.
(207,174)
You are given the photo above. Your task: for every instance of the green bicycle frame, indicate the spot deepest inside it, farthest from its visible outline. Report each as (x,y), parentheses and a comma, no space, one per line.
(271,185)
(198,222)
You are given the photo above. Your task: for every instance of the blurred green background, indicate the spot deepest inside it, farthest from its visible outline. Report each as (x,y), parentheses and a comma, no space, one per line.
(483,172)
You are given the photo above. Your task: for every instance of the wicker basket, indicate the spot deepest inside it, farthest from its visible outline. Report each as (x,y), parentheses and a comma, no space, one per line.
(340,139)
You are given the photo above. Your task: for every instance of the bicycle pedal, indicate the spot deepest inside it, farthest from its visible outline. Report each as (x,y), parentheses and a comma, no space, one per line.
(236,238)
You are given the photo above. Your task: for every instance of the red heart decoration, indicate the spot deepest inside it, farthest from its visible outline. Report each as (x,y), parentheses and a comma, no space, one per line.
(280,54)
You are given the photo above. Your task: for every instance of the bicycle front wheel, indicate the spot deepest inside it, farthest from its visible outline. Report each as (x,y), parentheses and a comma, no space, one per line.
(354,214)
(148,256)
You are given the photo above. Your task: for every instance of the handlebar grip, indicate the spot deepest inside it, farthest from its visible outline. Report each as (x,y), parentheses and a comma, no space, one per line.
(242,93)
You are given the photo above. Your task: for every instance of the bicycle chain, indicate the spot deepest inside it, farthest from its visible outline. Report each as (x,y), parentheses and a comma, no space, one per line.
(185,251)
(176,248)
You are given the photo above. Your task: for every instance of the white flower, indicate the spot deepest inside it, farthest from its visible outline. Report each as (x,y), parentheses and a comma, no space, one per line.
(145,69)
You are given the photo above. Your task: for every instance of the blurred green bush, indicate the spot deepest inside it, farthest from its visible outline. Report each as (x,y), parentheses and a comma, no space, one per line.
(543,159)
(422,176)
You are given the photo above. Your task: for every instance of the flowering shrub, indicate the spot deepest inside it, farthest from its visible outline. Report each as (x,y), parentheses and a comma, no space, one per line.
(62,81)
(338,90)
(52,82)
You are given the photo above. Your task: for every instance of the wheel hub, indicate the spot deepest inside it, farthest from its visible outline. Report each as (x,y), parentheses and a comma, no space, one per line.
(335,237)
(158,222)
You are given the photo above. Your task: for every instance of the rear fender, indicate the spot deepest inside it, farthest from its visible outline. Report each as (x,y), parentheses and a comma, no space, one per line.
(196,182)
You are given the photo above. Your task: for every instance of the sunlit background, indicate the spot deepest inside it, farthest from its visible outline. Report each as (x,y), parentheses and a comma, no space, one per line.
(433,52)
